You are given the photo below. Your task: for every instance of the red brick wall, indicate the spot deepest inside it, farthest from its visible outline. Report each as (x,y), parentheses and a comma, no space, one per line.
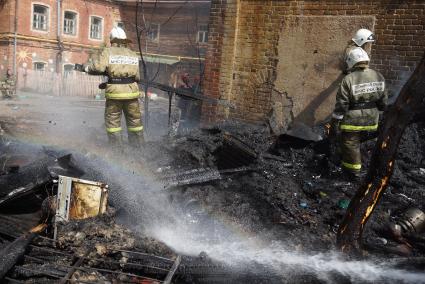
(42,46)
(104,9)
(213,63)
(6,24)
(178,26)
(400,45)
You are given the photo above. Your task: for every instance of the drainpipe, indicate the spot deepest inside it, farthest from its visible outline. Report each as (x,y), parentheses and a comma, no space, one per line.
(15,38)
(59,38)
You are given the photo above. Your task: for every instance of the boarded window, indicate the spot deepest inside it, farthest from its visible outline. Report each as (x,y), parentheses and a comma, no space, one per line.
(95,28)
(70,23)
(203,34)
(153,32)
(39,66)
(40,17)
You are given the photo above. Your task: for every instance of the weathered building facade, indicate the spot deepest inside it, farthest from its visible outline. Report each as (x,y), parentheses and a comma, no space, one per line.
(53,35)
(173,35)
(286,56)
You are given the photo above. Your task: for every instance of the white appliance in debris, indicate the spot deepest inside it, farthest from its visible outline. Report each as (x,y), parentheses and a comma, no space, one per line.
(79,199)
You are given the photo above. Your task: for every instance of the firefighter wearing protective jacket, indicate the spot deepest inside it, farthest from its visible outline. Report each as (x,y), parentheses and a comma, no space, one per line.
(359,99)
(121,65)
(362,38)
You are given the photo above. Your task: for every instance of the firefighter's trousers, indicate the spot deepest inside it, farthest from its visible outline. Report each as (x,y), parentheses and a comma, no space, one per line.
(350,148)
(133,118)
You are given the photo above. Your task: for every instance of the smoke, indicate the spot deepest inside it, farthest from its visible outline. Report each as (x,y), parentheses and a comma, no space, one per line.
(187,229)
(183,225)
(240,251)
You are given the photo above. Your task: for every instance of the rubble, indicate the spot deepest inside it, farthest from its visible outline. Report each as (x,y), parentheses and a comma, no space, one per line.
(280,191)
(22,180)
(296,194)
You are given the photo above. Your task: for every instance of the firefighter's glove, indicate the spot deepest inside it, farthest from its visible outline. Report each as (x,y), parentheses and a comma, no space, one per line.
(79,67)
(102,86)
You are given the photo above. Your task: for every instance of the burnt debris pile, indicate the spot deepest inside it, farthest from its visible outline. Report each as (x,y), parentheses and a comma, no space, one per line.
(47,236)
(90,251)
(289,187)
(284,188)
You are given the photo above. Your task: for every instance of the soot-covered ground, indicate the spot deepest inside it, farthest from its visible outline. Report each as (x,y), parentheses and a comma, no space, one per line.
(292,191)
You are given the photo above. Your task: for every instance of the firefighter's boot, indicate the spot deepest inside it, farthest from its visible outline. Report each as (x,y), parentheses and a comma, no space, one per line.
(115,141)
(136,139)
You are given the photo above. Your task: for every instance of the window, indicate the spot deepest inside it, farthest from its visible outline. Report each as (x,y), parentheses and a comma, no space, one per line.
(67,68)
(203,34)
(39,66)
(70,23)
(95,28)
(40,17)
(120,25)
(153,32)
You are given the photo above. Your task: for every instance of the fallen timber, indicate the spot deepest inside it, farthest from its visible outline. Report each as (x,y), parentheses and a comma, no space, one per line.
(13,252)
(28,178)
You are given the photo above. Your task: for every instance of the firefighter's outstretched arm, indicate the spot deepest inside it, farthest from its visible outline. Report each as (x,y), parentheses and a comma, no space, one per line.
(96,66)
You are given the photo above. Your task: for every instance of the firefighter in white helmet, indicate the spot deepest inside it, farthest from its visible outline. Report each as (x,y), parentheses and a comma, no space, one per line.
(359,99)
(362,38)
(121,65)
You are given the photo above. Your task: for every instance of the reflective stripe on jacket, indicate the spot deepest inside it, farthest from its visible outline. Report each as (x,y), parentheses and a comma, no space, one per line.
(362,86)
(118,62)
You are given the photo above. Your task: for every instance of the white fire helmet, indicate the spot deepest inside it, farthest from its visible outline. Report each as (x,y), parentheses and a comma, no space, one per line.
(117,33)
(355,56)
(362,36)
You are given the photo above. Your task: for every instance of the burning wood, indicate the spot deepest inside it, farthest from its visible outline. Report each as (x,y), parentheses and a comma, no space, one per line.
(381,166)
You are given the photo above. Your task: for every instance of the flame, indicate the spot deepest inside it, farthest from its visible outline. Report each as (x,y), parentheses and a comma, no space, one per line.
(385,143)
(38,228)
(368,188)
(370,208)
(327,128)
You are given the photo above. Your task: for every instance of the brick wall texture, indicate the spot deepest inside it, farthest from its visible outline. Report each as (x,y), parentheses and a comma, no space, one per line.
(177,34)
(178,31)
(243,53)
(42,46)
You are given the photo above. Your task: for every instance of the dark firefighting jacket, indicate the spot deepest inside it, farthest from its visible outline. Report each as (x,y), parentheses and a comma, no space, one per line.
(359,99)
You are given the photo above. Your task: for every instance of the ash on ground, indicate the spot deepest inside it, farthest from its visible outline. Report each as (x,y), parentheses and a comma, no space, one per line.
(292,192)
(103,236)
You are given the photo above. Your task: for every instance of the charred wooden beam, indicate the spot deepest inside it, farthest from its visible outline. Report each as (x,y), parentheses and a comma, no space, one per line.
(173,270)
(30,178)
(396,119)
(13,252)
(199,176)
(74,267)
